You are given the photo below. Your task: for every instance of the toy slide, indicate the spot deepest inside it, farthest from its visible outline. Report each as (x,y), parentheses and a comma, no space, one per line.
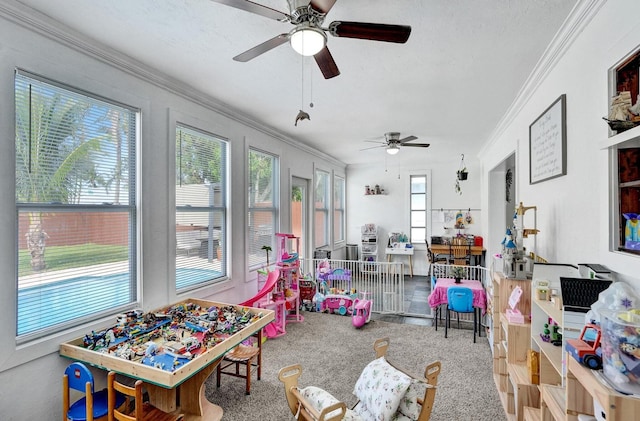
(268,286)
(272,278)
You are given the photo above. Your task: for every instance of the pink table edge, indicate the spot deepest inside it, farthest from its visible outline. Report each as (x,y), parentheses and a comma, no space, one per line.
(439,295)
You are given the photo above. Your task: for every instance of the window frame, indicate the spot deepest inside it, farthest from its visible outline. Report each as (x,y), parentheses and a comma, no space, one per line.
(428,209)
(339,223)
(214,209)
(325,211)
(254,263)
(130,209)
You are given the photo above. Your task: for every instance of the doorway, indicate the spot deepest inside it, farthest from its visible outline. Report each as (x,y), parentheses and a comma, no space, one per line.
(502,197)
(299,213)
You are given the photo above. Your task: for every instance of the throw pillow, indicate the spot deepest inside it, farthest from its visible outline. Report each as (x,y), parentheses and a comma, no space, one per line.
(320,399)
(380,387)
(409,405)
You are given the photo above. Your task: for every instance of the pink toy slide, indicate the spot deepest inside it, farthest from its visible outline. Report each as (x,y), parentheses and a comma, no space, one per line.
(268,286)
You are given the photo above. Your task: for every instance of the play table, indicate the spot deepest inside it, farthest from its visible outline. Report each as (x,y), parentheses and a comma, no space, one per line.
(181,390)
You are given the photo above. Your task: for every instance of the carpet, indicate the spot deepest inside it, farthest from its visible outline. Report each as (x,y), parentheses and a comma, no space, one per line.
(333,353)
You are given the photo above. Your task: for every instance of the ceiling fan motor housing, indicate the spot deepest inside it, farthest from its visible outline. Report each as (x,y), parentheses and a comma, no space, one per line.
(301,12)
(392,136)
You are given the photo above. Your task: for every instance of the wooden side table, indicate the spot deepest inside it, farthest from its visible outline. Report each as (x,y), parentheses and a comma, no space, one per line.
(401,251)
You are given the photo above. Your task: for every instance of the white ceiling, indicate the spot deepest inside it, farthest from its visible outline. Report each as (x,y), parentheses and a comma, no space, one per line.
(450,84)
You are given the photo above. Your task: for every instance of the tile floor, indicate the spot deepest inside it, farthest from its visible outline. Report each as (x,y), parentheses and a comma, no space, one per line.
(417,310)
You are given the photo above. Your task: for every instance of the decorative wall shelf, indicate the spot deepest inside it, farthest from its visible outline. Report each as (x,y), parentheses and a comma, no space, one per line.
(376,190)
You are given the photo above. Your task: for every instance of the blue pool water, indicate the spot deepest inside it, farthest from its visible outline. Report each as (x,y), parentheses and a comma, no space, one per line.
(50,304)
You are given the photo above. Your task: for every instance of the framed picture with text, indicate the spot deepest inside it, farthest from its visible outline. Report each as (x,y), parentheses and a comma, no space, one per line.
(548,143)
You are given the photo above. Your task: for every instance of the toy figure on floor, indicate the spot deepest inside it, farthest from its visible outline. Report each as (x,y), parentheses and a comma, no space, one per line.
(361,310)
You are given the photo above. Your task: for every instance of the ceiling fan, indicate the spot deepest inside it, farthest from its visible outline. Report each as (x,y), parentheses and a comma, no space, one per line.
(393,143)
(308,37)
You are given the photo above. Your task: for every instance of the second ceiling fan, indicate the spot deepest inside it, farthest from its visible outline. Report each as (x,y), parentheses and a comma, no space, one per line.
(308,37)
(392,143)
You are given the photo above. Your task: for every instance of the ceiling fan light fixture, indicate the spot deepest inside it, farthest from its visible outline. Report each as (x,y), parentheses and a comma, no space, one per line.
(307,40)
(393,149)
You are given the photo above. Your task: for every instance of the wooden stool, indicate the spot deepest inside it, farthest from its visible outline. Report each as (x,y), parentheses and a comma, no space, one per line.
(245,355)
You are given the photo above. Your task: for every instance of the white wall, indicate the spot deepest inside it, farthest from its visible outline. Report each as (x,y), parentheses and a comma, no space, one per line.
(35,45)
(391,210)
(573,210)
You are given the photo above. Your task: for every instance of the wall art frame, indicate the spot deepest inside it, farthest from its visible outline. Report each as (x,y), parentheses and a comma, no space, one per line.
(548,143)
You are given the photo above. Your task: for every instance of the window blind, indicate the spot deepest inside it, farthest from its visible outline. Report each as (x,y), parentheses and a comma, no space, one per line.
(201,200)
(262,206)
(75,199)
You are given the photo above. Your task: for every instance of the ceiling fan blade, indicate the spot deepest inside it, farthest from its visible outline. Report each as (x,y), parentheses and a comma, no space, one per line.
(371,31)
(373,147)
(258,9)
(262,48)
(327,65)
(417,145)
(322,6)
(376,141)
(407,139)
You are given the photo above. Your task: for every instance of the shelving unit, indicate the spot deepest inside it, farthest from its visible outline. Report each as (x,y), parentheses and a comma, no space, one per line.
(369,246)
(510,342)
(583,387)
(624,151)
(552,361)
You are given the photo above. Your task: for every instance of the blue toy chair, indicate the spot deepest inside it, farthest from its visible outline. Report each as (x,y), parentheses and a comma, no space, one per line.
(460,300)
(93,405)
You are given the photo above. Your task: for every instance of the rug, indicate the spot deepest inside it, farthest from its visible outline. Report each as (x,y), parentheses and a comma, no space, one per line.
(333,353)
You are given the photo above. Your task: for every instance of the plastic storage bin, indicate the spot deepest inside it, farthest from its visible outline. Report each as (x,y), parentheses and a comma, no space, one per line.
(621,350)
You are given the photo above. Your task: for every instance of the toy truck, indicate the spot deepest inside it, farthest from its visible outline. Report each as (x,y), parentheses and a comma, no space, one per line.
(586,349)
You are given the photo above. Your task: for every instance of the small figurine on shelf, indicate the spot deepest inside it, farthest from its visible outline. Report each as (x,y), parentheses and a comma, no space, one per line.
(551,333)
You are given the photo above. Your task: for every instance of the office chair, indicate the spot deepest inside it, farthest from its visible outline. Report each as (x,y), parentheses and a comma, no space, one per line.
(460,300)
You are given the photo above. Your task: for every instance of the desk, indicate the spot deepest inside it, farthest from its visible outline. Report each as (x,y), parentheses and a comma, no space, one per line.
(401,251)
(476,251)
(183,389)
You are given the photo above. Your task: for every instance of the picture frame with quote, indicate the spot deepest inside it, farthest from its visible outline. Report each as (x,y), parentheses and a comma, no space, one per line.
(548,143)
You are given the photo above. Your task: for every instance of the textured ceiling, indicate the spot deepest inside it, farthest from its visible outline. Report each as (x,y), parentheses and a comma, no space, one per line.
(449,85)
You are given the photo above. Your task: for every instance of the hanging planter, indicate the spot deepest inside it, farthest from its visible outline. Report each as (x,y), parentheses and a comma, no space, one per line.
(461,175)
(462,171)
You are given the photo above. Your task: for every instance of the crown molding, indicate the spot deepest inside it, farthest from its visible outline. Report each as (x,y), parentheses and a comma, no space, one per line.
(38,22)
(581,15)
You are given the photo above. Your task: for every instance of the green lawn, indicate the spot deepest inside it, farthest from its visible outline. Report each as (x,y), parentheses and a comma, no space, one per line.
(67,257)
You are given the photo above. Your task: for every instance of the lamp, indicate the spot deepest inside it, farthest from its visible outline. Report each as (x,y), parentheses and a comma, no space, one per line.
(393,149)
(307,40)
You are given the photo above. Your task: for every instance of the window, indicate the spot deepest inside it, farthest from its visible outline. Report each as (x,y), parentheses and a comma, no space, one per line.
(418,216)
(338,209)
(76,206)
(322,209)
(262,208)
(201,177)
